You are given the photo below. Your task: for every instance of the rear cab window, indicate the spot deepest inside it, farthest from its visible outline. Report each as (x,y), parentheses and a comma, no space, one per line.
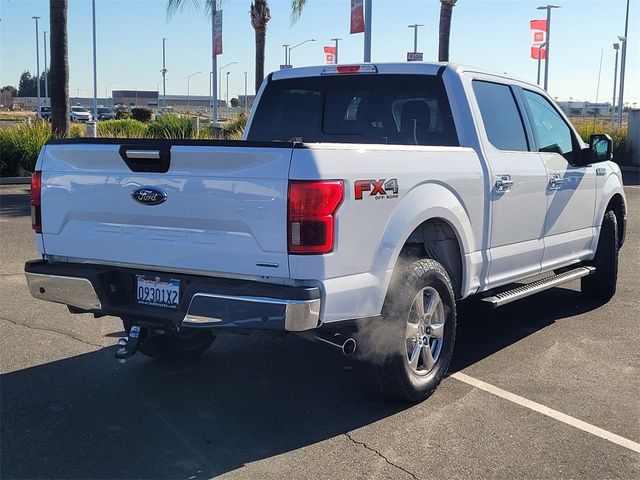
(373,109)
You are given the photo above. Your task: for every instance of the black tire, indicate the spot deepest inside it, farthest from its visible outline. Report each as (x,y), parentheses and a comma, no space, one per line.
(189,344)
(601,285)
(385,349)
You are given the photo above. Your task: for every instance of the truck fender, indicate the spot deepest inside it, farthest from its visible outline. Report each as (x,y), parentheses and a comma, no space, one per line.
(612,187)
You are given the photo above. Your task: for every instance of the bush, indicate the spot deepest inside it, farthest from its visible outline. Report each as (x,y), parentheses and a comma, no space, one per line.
(171,125)
(126,128)
(621,154)
(141,114)
(121,112)
(234,128)
(20,146)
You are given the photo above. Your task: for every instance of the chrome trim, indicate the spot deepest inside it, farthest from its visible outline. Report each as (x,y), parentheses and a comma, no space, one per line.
(77,292)
(300,315)
(143,154)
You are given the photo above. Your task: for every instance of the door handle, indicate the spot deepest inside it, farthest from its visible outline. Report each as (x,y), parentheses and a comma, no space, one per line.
(503,183)
(143,154)
(556,181)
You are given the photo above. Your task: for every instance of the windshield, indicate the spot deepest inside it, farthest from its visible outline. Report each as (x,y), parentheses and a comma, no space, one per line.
(391,109)
(79,109)
(104,110)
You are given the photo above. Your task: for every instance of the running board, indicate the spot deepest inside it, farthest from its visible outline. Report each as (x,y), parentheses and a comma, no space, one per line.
(502,298)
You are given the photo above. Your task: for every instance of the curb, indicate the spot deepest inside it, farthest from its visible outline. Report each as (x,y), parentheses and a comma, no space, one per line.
(15,180)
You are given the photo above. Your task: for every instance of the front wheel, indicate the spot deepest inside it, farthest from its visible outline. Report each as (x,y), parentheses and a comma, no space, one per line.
(188,344)
(601,285)
(408,356)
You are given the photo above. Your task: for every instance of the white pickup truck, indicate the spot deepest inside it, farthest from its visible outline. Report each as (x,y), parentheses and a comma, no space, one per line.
(363,203)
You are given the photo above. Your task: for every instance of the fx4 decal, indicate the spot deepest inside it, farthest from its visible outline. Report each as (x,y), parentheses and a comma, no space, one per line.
(379,189)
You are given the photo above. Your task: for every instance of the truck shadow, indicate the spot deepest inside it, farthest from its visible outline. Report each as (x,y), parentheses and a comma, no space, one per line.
(248,399)
(15,204)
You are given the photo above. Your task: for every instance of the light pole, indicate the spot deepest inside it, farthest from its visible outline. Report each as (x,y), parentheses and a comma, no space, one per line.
(297,45)
(164,73)
(335,57)
(37,65)
(227,95)
(246,98)
(570,100)
(540,47)
(286,54)
(220,79)
(95,68)
(188,86)
(46,73)
(548,8)
(106,91)
(367,30)
(616,47)
(623,65)
(415,27)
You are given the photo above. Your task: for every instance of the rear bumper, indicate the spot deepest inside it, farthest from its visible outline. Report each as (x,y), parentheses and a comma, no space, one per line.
(204,302)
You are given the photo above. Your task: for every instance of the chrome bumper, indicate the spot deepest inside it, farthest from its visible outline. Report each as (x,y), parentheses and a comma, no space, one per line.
(77,292)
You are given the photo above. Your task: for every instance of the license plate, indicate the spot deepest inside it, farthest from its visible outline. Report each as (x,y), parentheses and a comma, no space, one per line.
(157,292)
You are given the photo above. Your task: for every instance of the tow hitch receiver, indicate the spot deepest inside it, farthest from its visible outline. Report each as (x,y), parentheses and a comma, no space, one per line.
(127,346)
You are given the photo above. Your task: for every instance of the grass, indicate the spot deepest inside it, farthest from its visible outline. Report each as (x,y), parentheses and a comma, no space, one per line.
(587,127)
(125,128)
(20,146)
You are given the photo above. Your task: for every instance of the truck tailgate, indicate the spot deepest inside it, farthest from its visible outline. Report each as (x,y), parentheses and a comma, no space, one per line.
(225,209)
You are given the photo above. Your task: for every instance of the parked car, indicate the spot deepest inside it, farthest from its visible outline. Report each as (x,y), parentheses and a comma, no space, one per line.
(106,113)
(44,112)
(364,203)
(80,114)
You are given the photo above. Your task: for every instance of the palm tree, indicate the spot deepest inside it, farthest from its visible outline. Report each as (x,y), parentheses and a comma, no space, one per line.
(260,16)
(59,70)
(446,10)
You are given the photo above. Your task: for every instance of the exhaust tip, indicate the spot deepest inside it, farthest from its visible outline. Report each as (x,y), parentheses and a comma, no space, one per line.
(349,347)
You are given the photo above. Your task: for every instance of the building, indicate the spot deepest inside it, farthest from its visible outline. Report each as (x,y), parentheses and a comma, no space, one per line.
(141,98)
(585,109)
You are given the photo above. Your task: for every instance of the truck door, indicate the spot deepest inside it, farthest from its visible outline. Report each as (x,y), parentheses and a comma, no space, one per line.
(570,190)
(518,202)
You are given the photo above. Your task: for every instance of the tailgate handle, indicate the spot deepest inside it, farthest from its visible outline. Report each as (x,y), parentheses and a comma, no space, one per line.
(147,157)
(143,154)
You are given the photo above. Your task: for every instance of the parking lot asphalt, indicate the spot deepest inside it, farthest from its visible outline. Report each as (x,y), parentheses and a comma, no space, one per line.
(259,407)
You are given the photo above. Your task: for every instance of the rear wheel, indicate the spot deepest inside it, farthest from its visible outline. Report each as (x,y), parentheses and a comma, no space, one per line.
(188,344)
(415,350)
(601,285)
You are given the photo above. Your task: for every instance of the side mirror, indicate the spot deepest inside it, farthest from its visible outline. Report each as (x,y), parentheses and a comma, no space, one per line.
(600,148)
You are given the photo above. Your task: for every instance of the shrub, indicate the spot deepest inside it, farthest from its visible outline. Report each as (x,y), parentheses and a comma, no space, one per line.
(171,125)
(121,112)
(20,146)
(141,114)
(234,128)
(77,130)
(125,128)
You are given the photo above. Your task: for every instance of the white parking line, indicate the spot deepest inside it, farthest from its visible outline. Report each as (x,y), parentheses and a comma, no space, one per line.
(549,412)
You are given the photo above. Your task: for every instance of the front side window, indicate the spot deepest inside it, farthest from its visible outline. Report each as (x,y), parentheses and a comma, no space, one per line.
(500,115)
(551,131)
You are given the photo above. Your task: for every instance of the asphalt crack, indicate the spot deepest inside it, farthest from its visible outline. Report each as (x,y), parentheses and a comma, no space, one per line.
(362,444)
(66,334)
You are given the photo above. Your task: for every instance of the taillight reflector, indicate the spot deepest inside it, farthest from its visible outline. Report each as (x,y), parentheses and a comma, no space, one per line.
(36,215)
(349,69)
(312,208)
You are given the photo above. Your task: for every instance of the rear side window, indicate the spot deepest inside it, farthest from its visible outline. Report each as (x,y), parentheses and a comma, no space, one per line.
(378,109)
(500,115)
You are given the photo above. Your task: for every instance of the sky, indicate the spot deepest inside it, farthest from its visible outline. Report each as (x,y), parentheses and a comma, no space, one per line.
(492,34)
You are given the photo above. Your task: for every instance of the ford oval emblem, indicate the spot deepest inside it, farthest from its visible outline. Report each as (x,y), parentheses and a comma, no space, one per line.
(149,195)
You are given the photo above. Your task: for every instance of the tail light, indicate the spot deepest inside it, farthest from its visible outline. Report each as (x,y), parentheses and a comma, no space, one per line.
(36,214)
(312,208)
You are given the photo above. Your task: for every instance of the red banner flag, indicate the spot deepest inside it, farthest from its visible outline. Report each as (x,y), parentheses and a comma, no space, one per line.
(217,33)
(330,54)
(538,37)
(357,16)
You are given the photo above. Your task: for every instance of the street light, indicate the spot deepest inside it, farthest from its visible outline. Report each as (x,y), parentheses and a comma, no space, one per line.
(220,78)
(164,73)
(540,47)
(335,57)
(37,64)
(616,47)
(246,98)
(548,8)
(188,86)
(623,66)
(227,95)
(286,53)
(46,73)
(95,68)
(297,45)
(415,27)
